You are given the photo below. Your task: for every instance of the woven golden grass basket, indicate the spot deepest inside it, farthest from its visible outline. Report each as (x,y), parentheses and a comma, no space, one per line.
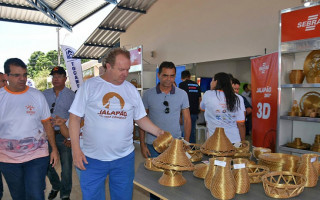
(218,144)
(283,184)
(162,142)
(174,158)
(149,166)
(242,155)
(256,172)
(201,170)
(307,168)
(172,178)
(241,175)
(260,150)
(279,161)
(244,147)
(194,151)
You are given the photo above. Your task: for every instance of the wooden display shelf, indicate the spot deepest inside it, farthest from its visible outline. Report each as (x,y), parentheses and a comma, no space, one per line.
(299,151)
(313,85)
(304,119)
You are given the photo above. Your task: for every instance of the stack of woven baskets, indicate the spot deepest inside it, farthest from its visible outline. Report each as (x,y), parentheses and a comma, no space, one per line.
(279,161)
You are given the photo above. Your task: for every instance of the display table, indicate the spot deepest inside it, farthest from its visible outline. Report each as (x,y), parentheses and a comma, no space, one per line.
(195,189)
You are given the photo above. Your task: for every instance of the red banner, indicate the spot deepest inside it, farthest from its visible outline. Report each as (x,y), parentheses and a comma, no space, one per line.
(300,24)
(264,78)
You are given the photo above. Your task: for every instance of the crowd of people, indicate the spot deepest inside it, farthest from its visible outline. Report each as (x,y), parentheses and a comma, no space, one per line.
(39,128)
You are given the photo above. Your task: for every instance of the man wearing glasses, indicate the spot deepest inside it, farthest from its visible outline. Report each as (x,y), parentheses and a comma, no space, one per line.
(59,99)
(24,128)
(163,104)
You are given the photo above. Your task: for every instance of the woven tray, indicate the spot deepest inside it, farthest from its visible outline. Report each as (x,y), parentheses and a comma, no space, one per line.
(283,184)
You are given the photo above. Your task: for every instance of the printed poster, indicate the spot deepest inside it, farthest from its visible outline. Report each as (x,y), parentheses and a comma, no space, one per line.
(264,76)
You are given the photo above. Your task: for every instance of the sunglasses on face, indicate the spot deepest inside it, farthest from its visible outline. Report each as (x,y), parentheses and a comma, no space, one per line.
(166,104)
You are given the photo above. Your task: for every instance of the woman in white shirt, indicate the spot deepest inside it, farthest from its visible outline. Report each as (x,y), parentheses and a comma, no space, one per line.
(223,108)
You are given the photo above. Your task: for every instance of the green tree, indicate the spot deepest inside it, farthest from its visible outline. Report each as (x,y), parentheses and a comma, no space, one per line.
(34,57)
(41,79)
(40,65)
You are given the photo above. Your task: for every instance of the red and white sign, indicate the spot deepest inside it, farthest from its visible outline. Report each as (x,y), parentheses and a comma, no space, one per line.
(264,77)
(300,24)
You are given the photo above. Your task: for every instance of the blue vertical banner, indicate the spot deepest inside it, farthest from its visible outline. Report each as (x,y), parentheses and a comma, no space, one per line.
(179,69)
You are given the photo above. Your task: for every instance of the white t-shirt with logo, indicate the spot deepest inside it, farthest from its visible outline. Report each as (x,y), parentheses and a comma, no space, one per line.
(108,111)
(22,136)
(217,115)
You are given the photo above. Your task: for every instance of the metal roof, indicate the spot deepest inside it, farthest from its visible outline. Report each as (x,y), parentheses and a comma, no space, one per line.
(59,13)
(107,34)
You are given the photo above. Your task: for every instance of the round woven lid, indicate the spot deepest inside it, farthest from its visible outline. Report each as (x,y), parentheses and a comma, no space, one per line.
(162,142)
(174,158)
(218,144)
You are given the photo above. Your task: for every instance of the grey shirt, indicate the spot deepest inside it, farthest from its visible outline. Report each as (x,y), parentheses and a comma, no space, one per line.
(62,102)
(153,101)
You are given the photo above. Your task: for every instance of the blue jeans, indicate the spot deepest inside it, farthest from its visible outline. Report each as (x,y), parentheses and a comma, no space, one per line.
(194,118)
(1,186)
(26,180)
(152,151)
(65,185)
(121,174)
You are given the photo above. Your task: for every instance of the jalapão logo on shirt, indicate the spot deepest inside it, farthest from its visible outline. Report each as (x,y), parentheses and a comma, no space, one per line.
(114,105)
(30,110)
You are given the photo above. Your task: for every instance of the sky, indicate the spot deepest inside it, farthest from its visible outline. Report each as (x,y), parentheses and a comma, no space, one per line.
(21,40)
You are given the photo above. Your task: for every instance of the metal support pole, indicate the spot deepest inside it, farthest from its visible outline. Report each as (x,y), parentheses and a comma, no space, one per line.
(58,35)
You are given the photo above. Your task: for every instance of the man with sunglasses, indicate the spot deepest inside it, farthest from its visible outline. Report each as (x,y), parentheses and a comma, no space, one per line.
(24,129)
(163,104)
(59,99)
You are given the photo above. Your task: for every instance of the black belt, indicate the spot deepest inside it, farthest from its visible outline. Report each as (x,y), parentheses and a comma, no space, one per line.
(57,132)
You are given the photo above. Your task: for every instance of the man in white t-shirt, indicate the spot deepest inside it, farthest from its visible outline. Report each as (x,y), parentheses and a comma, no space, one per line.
(24,128)
(109,105)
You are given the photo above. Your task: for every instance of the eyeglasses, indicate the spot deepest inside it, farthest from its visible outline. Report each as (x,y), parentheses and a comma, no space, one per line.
(167,110)
(52,107)
(19,75)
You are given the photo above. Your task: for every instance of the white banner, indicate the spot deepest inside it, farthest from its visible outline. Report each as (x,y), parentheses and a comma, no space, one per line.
(74,68)
(30,83)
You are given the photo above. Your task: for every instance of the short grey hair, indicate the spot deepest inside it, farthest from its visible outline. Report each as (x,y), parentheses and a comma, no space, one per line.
(110,57)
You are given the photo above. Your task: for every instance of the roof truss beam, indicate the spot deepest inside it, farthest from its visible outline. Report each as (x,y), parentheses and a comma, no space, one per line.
(41,6)
(112,29)
(98,45)
(132,9)
(112,1)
